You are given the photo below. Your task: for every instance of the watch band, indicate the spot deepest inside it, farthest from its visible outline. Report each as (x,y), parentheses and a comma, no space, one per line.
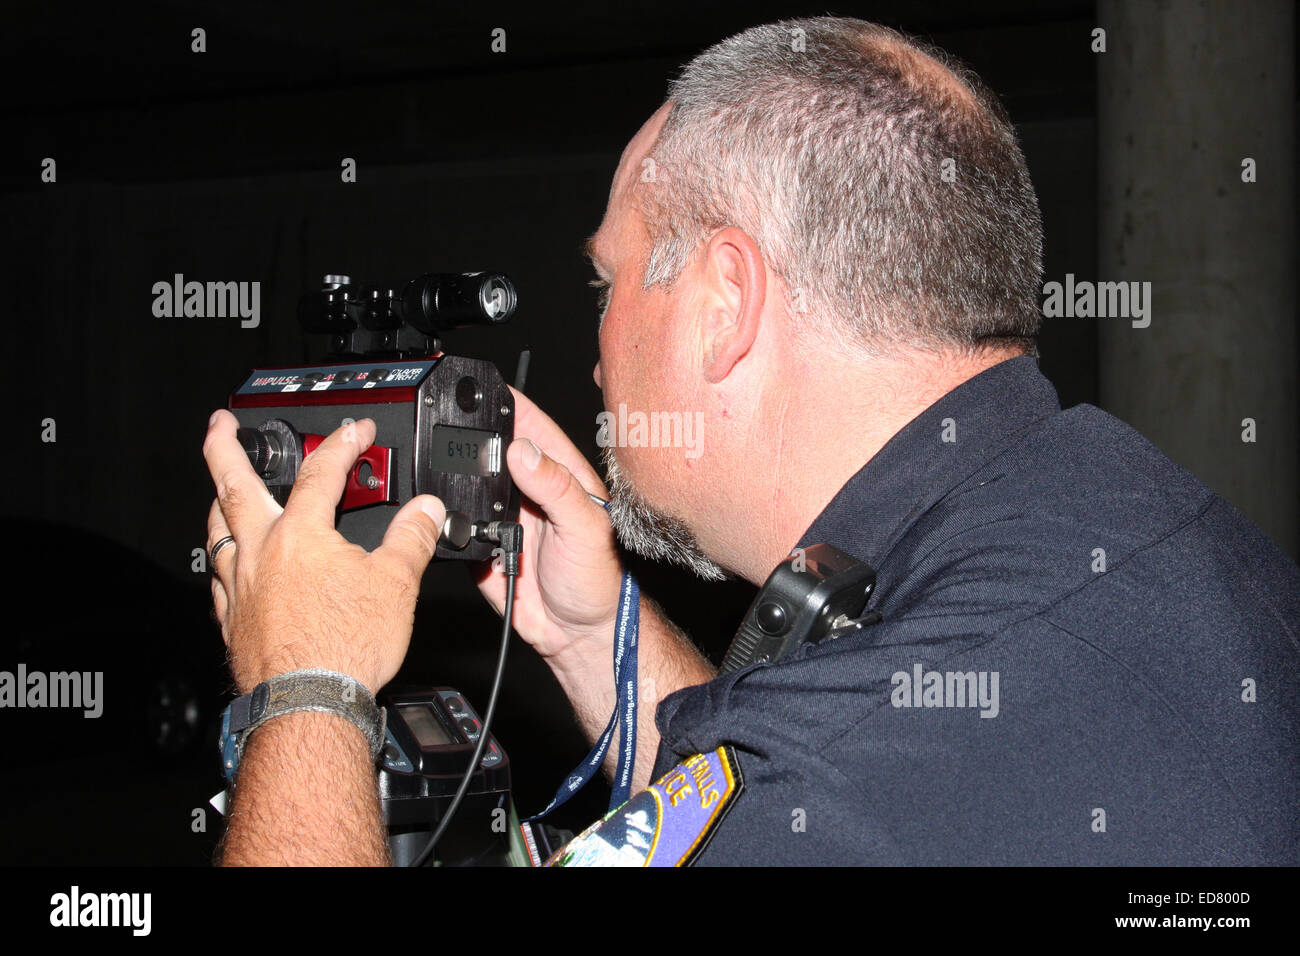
(314,689)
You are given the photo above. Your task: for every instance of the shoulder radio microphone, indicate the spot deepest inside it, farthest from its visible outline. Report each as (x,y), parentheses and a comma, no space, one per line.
(818,593)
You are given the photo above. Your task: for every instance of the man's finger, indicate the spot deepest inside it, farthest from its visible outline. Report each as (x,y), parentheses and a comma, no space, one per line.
(553,488)
(412,536)
(218,529)
(324,474)
(248,507)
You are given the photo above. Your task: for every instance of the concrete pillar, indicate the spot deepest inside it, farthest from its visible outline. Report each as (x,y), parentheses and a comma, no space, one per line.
(1188,91)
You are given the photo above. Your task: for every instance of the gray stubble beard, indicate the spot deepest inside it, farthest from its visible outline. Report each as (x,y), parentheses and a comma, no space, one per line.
(649,532)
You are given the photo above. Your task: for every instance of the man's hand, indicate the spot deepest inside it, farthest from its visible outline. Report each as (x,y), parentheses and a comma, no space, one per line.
(567,593)
(566,596)
(292,593)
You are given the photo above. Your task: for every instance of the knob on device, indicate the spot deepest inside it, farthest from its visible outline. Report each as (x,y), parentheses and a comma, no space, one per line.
(275,450)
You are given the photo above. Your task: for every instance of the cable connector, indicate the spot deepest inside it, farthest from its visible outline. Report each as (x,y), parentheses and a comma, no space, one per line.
(509,535)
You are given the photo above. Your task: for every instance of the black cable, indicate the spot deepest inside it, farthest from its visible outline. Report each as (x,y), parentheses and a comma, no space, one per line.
(512,569)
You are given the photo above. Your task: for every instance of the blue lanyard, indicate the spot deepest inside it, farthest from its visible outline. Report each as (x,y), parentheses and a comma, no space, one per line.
(625,690)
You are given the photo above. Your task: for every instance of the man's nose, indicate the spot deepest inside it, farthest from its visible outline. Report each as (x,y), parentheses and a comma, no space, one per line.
(595,375)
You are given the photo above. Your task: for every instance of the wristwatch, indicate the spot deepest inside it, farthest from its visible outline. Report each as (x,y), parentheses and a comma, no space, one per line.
(315,689)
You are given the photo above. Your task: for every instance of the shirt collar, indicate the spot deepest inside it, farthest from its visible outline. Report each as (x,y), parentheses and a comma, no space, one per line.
(918,467)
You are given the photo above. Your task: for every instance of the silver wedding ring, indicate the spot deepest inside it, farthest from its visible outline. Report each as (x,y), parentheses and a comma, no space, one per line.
(216,550)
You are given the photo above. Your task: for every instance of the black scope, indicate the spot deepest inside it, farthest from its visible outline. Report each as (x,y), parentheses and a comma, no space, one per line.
(379,316)
(431,303)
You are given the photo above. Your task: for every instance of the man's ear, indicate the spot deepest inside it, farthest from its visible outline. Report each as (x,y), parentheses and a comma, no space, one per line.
(734,288)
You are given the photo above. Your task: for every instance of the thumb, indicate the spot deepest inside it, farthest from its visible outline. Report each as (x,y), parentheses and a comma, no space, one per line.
(551,486)
(412,537)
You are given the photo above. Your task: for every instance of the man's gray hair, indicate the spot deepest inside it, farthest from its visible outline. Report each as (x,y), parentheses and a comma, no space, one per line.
(890,196)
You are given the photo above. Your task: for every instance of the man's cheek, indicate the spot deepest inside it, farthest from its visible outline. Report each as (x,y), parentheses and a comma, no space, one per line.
(607,364)
(613,379)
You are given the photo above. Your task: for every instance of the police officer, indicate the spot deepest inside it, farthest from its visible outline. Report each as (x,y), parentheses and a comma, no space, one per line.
(826,244)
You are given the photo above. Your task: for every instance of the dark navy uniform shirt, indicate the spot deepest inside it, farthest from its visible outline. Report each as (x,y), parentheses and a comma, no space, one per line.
(1142,635)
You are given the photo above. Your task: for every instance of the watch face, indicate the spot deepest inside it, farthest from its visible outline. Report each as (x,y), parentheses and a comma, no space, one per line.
(425,726)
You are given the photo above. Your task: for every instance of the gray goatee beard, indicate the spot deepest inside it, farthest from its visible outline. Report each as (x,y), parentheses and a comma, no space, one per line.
(649,532)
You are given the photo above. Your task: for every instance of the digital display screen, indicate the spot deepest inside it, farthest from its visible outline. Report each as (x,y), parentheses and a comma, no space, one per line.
(465,451)
(428,730)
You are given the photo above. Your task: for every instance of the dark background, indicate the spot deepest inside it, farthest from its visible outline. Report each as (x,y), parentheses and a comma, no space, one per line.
(225,166)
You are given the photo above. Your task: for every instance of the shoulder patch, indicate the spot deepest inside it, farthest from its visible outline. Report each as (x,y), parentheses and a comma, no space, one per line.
(668,823)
